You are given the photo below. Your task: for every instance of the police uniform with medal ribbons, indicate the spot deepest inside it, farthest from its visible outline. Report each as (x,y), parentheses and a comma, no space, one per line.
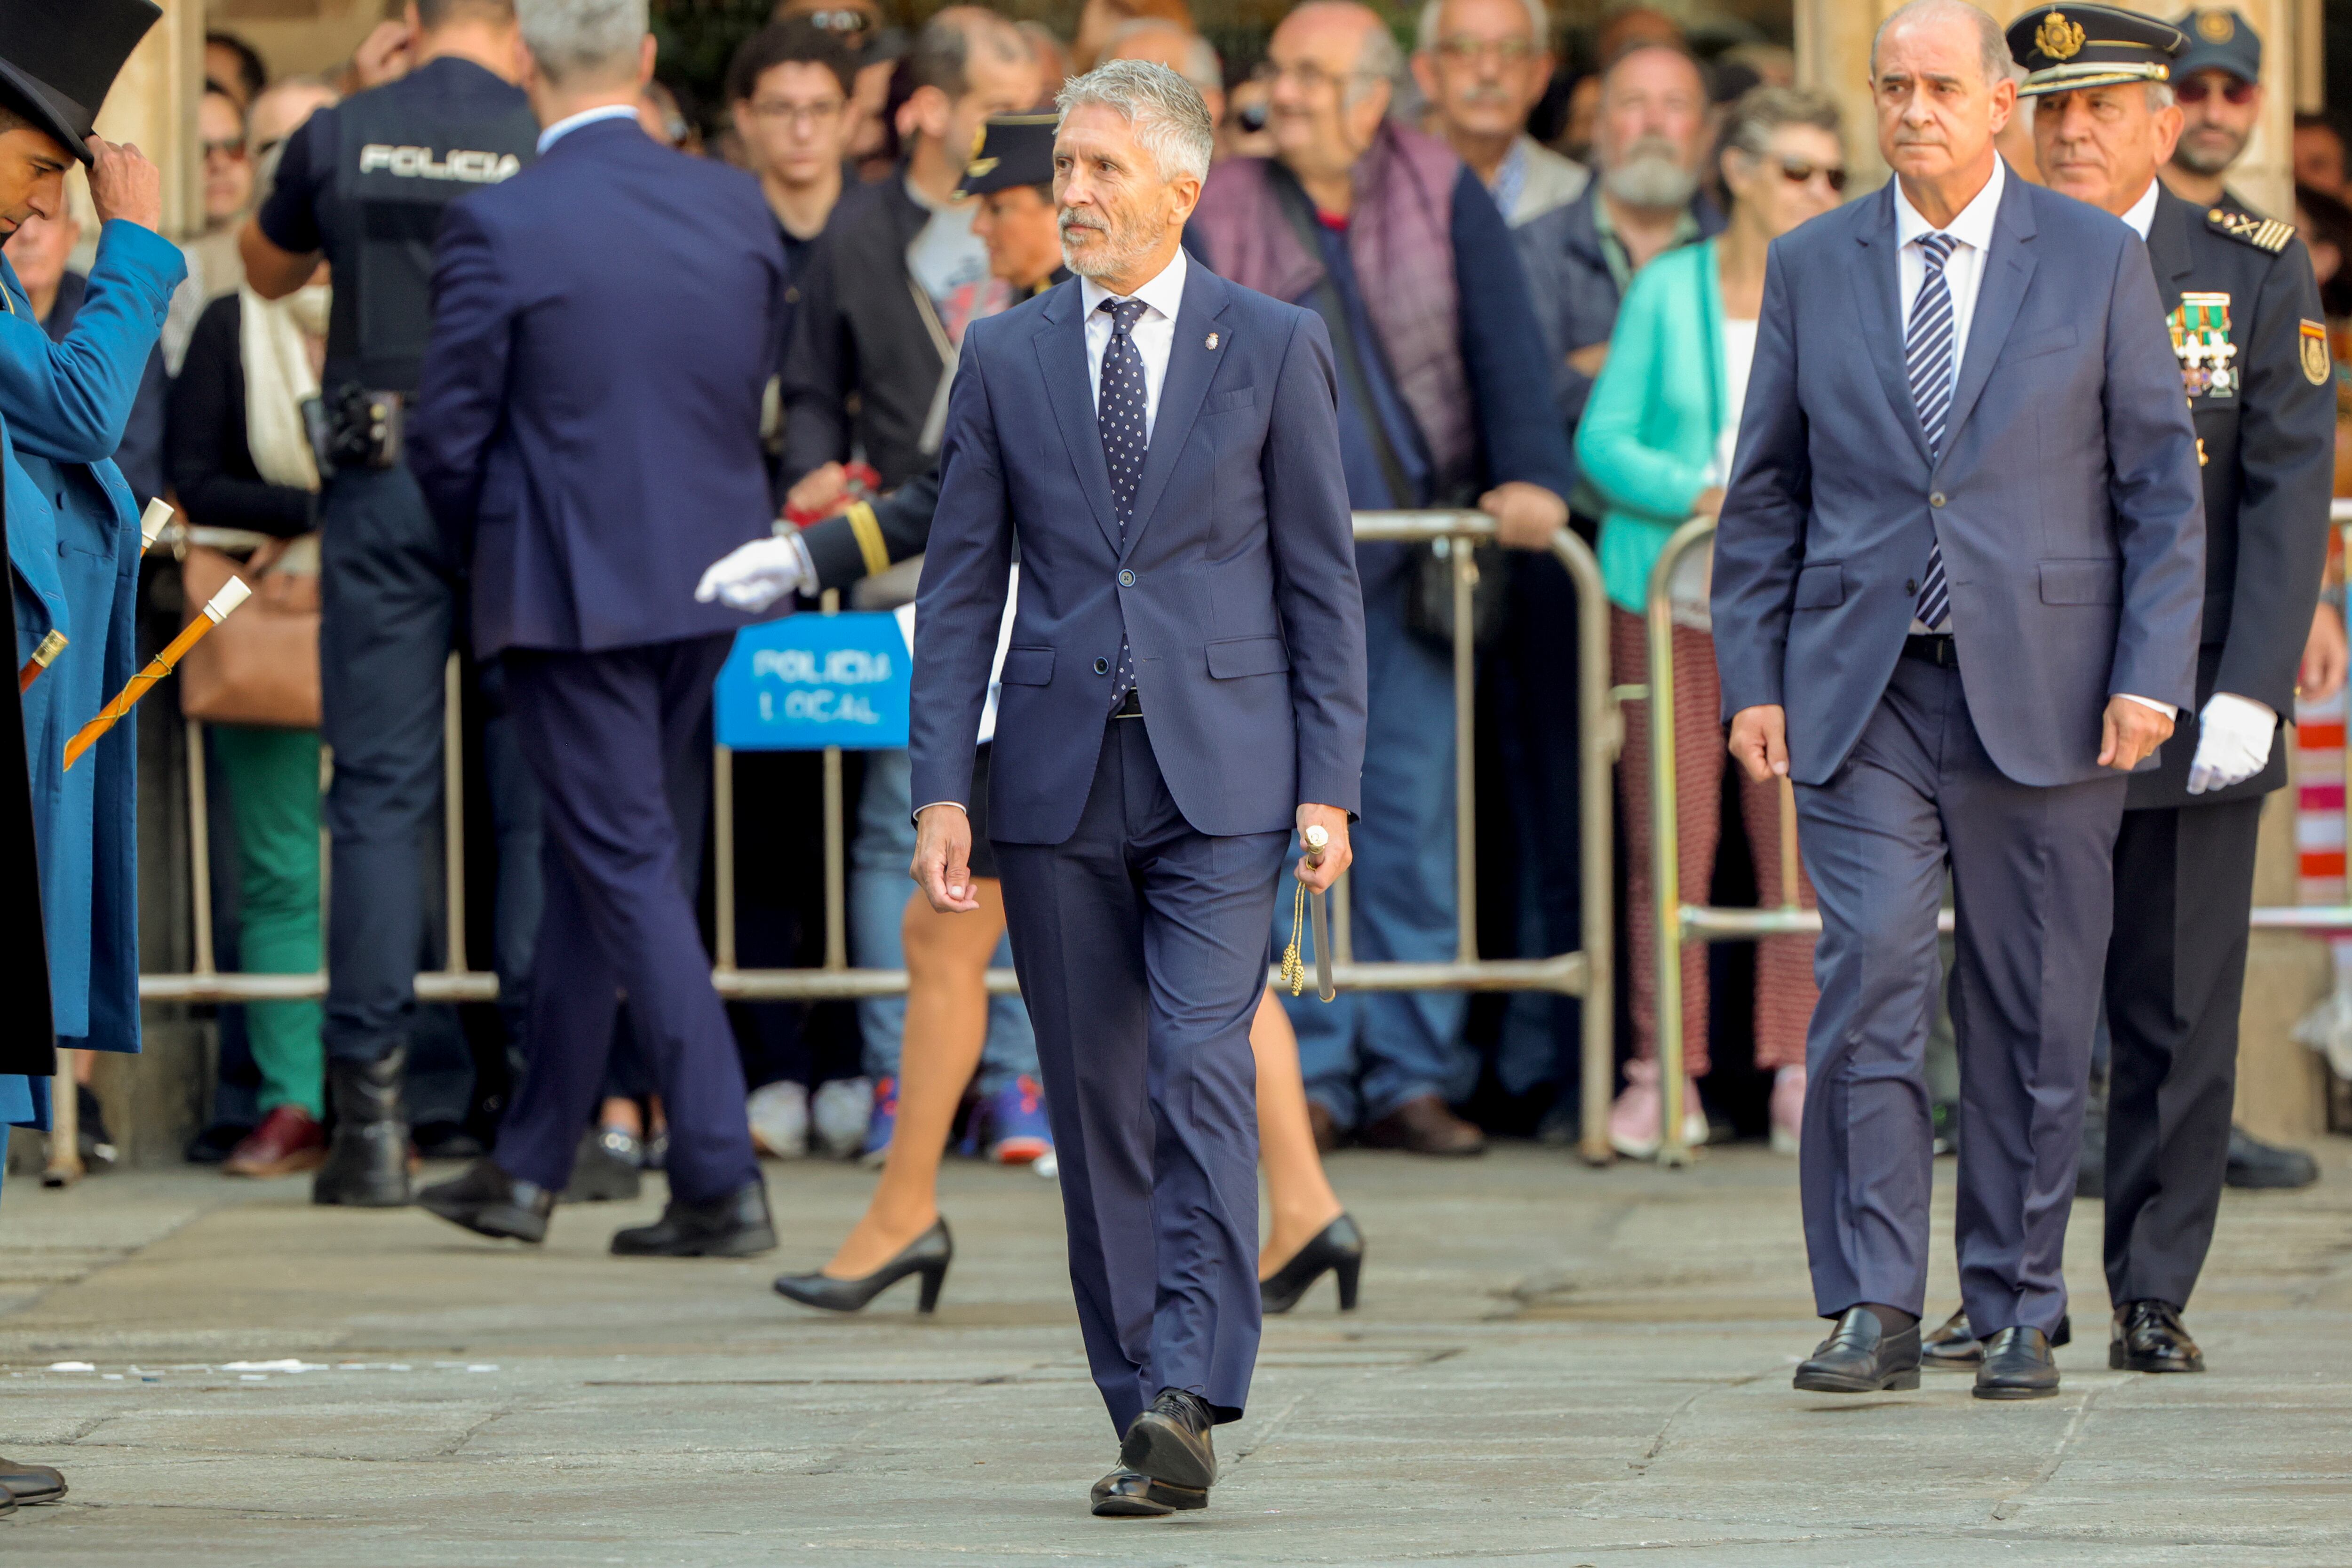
(2244,320)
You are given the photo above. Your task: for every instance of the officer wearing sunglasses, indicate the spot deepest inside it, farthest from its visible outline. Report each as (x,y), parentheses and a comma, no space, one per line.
(2217,82)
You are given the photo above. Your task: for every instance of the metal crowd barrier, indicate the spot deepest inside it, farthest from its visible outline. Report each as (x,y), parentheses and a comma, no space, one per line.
(1590,973)
(1678,923)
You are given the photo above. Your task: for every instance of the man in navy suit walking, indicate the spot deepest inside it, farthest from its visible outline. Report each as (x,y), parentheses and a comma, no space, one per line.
(588,426)
(1958,584)
(1184,686)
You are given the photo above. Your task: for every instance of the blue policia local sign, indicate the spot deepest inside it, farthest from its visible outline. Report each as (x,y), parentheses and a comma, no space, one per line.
(810,681)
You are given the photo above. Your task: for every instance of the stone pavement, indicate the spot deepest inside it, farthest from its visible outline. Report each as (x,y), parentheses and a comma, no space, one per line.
(1552,1365)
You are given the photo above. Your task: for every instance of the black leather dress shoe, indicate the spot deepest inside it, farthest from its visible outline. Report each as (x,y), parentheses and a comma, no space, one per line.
(1132,1494)
(735,1225)
(31,1483)
(1170,1442)
(2017,1366)
(1955,1347)
(2146,1336)
(367,1158)
(1337,1246)
(605,1170)
(1859,1357)
(489,1201)
(2254,1164)
(928,1255)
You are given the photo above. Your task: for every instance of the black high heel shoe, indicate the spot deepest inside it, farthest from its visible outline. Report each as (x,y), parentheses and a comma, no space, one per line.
(928,1255)
(1337,1246)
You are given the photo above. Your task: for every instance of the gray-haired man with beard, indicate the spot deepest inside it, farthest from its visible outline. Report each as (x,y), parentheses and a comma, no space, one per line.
(1649,143)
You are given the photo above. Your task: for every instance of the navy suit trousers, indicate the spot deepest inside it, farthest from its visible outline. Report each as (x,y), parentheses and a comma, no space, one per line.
(1141,949)
(607,735)
(2030,883)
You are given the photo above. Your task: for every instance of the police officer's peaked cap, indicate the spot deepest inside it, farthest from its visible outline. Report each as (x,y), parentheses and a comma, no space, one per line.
(2219,40)
(58,58)
(2063,48)
(1010,150)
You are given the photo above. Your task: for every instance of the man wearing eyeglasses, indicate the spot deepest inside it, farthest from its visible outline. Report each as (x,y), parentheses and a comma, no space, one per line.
(1482,64)
(1388,236)
(2247,329)
(789,88)
(2218,83)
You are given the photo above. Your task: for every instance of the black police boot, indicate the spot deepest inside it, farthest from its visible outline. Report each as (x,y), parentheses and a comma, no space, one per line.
(367,1164)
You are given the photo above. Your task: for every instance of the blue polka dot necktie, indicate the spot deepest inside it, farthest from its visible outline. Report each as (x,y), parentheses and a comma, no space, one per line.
(1119,411)
(1928,354)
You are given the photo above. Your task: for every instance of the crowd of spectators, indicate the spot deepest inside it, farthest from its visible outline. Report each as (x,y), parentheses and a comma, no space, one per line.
(1495,211)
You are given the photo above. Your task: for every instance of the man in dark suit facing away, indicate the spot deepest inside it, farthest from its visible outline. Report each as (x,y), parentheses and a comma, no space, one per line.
(1184,685)
(1957,592)
(588,426)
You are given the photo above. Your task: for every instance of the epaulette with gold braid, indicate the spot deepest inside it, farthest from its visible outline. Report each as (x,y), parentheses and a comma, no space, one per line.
(2263,233)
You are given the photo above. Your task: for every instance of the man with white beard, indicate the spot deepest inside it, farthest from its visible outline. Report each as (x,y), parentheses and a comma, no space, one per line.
(1649,141)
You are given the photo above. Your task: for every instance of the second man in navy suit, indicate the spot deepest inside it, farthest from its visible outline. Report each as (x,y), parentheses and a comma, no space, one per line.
(588,424)
(1184,686)
(1958,584)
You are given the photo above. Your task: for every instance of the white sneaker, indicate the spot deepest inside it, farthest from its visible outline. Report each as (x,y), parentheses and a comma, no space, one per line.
(838,1116)
(1046,1165)
(779,1119)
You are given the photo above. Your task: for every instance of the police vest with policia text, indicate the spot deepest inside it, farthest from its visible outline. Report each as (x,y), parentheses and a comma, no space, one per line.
(399,163)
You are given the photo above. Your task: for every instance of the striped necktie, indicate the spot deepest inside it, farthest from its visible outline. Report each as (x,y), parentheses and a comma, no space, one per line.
(1927,354)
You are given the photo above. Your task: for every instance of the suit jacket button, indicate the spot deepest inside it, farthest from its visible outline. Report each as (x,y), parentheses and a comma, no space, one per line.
(1937,499)
(1127,579)
(1102,667)
(1911,585)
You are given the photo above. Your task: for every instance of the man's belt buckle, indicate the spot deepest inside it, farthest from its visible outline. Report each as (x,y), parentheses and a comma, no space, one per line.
(1936,648)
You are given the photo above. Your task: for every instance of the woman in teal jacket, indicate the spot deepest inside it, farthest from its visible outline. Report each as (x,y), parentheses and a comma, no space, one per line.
(1657,441)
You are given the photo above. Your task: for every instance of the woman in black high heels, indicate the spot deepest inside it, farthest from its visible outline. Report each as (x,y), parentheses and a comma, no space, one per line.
(902,1235)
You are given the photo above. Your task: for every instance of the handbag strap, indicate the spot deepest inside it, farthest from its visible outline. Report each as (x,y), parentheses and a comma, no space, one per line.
(1291,197)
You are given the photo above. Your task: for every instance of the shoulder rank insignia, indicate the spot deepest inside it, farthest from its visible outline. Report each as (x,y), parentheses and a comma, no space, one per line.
(2317,360)
(2201,337)
(2263,233)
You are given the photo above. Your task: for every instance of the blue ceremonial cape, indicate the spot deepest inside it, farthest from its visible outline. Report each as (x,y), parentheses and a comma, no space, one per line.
(73,545)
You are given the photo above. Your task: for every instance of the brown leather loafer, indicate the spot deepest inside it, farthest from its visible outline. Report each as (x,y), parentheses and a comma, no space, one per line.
(1422,1125)
(288,1142)
(1132,1494)
(2147,1336)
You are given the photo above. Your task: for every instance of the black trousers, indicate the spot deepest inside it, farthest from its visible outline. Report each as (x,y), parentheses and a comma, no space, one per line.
(2176,970)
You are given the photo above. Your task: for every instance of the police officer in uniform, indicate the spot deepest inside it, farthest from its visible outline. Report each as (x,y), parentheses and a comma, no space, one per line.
(363,183)
(2217,80)
(2245,323)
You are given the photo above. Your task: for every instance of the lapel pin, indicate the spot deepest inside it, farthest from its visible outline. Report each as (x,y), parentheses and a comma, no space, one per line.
(1212,340)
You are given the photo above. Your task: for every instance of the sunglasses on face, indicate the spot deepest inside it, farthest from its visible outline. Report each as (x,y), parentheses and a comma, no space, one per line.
(2196,89)
(233,147)
(1796,171)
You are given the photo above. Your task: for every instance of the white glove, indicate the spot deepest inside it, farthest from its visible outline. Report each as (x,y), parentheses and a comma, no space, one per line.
(2233,742)
(755,575)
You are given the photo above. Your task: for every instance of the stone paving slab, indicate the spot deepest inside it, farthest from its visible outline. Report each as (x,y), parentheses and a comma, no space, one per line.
(1552,1365)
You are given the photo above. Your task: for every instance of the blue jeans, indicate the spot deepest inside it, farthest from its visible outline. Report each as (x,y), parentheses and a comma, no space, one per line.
(879,890)
(392,607)
(1369,1052)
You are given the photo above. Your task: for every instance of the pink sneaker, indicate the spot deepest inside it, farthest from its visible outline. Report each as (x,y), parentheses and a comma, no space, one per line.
(1787,1107)
(1635,1121)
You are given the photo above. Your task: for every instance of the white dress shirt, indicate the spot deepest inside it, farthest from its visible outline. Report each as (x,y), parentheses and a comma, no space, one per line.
(1963,271)
(570,123)
(2141,214)
(1154,334)
(1964,268)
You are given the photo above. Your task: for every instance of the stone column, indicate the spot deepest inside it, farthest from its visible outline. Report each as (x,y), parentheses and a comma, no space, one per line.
(153,104)
(1833,55)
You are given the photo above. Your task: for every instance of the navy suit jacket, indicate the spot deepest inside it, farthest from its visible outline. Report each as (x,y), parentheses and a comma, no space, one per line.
(1236,589)
(2066,496)
(604,326)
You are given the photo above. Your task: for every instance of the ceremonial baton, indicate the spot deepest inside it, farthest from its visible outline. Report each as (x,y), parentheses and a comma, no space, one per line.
(1316,839)
(150,523)
(233,593)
